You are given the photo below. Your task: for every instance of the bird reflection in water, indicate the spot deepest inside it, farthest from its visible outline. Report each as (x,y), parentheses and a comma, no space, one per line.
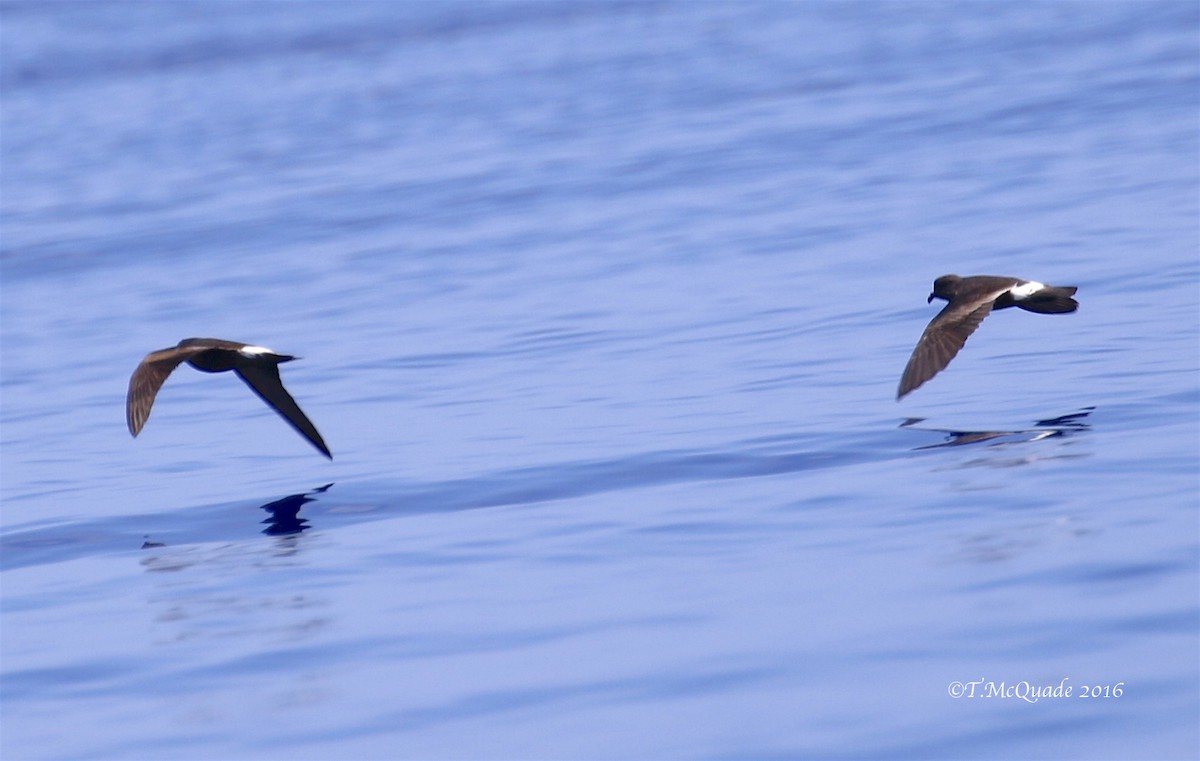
(284,522)
(1062,425)
(285,513)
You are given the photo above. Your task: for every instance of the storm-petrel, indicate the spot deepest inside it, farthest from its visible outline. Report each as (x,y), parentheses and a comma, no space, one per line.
(971,299)
(257,366)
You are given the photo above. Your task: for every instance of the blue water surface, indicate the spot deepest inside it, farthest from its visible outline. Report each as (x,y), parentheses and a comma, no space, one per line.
(601,308)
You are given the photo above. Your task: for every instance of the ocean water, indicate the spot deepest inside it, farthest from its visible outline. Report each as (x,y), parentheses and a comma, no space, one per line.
(601,309)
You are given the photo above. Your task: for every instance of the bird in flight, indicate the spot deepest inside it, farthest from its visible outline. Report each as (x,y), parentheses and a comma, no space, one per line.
(257,366)
(971,299)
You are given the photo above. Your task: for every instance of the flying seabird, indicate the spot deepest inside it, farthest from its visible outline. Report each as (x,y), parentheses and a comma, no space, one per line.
(257,366)
(971,299)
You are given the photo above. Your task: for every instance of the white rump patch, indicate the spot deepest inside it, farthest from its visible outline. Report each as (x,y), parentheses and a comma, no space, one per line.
(1025,290)
(250,351)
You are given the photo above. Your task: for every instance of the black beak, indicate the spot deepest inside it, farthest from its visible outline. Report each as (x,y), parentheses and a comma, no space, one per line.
(930,299)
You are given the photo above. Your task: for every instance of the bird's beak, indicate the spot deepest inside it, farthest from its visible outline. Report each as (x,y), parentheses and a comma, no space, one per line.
(930,299)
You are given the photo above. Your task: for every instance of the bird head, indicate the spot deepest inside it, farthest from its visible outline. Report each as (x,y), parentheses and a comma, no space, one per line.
(944,288)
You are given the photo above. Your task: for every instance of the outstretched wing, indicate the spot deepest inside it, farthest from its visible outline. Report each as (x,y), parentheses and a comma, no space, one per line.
(264,381)
(147,379)
(942,340)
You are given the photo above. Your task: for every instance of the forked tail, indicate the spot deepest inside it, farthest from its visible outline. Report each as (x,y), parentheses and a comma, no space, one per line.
(1051,300)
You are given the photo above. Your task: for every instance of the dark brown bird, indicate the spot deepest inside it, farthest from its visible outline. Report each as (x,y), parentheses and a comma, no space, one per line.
(257,366)
(971,299)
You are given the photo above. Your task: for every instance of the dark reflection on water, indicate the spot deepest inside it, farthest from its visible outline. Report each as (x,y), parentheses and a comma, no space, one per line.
(1063,425)
(285,513)
(60,543)
(527,485)
(284,522)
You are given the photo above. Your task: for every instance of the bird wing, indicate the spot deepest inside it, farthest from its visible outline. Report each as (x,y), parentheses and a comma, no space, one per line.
(264,381)
(148,378)
(942,340)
